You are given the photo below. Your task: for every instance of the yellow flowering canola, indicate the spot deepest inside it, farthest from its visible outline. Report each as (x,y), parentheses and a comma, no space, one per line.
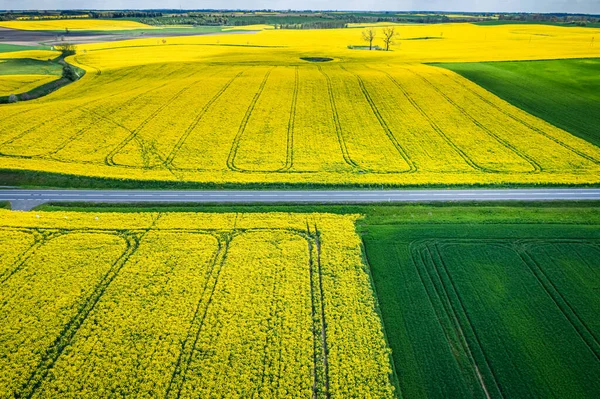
(187,305)
(15,84)
(74,24)
(42,55)
(246,108)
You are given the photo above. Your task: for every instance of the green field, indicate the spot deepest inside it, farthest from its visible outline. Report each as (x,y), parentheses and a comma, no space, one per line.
(9,48)
(565,93)
(502,309)
(27,66)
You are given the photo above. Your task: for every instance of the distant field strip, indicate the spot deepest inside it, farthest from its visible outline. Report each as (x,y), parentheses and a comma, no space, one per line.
(187,305)
(504,311)
(334,123)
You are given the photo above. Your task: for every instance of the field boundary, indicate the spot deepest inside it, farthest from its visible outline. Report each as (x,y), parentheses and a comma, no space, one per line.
(521,121)
(536,167)
(435,126)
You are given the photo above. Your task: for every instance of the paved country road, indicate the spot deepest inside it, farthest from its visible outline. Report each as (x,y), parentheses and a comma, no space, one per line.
(27,199)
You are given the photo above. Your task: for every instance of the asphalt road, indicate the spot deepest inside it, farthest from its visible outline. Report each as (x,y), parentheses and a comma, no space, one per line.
(27,199)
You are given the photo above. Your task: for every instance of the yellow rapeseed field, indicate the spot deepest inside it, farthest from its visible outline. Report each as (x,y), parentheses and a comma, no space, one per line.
(74,24)
(187,305)
(15,84)
(42,55)
(247,108)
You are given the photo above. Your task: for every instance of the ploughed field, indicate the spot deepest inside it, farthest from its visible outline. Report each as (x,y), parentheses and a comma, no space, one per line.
(187,305)
(250,109)
(490,309)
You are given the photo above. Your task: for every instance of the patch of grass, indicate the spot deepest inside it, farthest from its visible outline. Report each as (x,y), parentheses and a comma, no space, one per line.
(26,66)
(565,93)
(490,302)
(9,48)
(4,205)
(584,212)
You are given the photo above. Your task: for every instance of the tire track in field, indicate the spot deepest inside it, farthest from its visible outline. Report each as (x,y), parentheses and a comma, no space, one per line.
(390,135)
(86,106)
(289,137)
(109,159)
(66,336)
(188,346)
(536,167)
(437,129)
(313,312)
(289,160)
(40,238)
(338,126)
(325,346)
(270,339)
(579,325)
(525,123)
(591,245)
(242,128)
(173,153)
(462,311)
(445,318)
(39,125)
(35,108)
(76,107)
(455,329)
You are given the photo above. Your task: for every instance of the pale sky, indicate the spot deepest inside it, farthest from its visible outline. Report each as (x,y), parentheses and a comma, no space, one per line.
(570,6)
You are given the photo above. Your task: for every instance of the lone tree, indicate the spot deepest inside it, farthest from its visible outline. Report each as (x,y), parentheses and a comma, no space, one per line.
(368,36)
(389,34)
(69,72)
(66,49)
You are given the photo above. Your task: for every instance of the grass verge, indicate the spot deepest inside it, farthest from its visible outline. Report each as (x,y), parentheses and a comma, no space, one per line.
(41,179)
(9,48)
(584,212)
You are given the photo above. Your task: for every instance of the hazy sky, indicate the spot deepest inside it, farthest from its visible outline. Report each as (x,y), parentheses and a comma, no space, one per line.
(572,6)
